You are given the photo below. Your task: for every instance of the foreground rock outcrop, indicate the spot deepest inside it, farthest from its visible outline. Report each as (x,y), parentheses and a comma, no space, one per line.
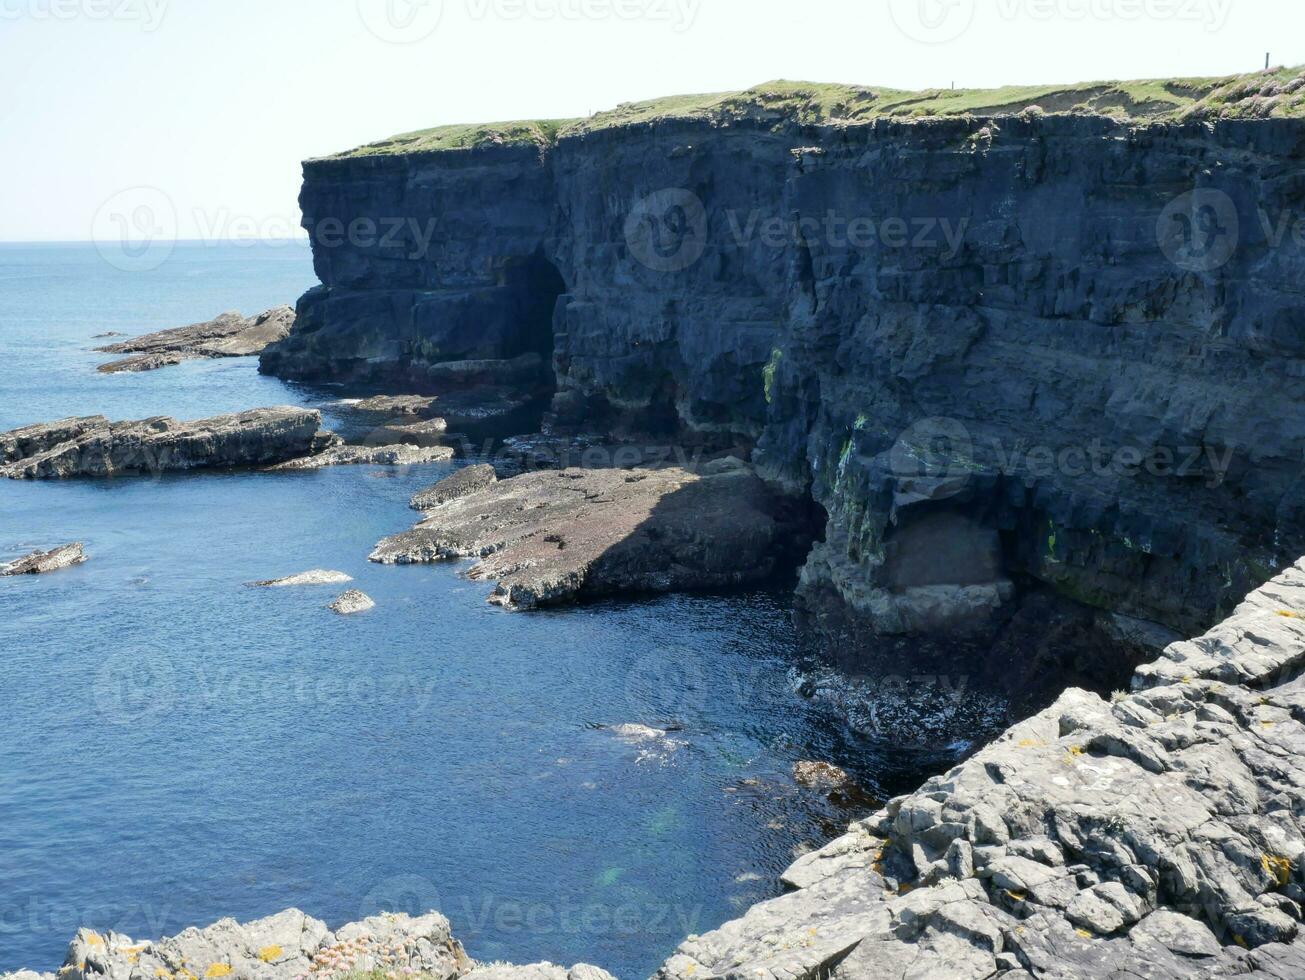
(289,946)
(229,335)
(551,537)
(94,446)
(1157,835)
(42,562)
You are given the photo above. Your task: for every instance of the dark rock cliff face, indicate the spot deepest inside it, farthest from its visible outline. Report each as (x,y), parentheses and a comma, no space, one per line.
(1052,353)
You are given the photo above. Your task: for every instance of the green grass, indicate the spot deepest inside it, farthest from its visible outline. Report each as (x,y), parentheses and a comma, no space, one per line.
(466,136)
(1278,93)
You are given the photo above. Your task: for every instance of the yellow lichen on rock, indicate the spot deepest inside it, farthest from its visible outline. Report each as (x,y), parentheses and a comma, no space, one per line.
(1279,868)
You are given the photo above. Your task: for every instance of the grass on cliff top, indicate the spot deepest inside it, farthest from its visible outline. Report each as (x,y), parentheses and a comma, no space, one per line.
(465,136)
(1277,93)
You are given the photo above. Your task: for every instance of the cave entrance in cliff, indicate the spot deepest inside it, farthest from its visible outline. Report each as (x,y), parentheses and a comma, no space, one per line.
(539,285)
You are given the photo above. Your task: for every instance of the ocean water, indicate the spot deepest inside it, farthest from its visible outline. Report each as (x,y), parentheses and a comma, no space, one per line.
(175,747)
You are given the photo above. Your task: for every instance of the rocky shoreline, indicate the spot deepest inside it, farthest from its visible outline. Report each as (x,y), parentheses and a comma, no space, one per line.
(1154,835)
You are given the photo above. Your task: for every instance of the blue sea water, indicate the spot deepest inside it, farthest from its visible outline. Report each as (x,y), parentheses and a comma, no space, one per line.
(175,747)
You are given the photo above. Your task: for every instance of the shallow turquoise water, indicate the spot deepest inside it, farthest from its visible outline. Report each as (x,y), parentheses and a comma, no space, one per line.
(175,747)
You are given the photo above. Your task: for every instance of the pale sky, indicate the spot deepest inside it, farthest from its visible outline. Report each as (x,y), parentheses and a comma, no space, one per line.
(213,103)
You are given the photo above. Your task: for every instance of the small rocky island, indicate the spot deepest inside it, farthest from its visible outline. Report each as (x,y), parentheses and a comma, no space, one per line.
(228,335)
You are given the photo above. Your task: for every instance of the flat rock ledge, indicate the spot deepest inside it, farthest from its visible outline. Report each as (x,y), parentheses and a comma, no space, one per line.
(228,335)
(551,537)
(41,562)
(94,446)
(292,945)
(351,603)
(1156,835)
(398,455)
(317,576)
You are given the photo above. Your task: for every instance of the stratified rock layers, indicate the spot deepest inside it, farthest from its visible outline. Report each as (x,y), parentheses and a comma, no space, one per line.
(94,446)
(958,329)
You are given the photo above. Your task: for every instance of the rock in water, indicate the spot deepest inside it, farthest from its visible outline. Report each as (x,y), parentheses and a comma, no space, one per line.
(428,433)
(96,447)
(820,775)
(361,455)
(315,577)
(554,536)
(40,562)
(417,406)
(352,602)
(465,481)
(229,335)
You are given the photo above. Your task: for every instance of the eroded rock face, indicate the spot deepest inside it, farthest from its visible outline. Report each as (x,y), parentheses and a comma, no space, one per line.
(229,335)
(1157,835)
(97,447)
(555,536)
(290,945)
(42,562)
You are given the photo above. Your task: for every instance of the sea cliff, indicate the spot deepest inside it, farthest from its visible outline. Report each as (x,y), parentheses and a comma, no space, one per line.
(1009,351)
